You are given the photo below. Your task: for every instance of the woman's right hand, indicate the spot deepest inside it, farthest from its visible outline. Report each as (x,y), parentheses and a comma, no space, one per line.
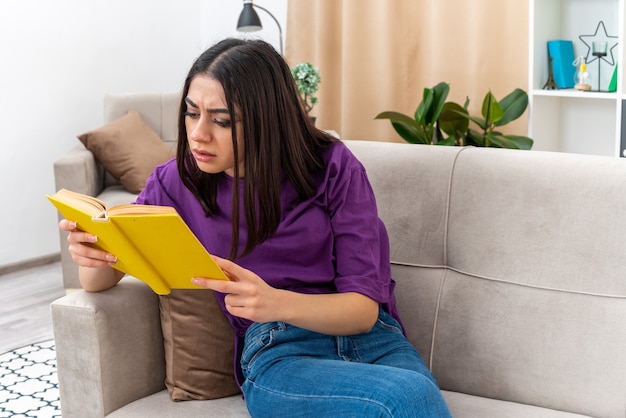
(80,249)
(95,270)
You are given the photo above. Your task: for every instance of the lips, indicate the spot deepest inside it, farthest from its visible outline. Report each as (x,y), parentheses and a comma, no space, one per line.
(203,156)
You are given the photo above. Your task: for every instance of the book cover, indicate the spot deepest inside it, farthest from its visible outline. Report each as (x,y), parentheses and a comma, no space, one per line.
(562,54)
(151,243)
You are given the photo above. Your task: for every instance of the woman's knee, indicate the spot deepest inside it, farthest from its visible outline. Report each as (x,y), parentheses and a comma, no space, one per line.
(415,395)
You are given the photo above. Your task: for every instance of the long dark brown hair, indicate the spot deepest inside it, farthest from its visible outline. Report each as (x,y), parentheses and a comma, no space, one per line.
(278,136)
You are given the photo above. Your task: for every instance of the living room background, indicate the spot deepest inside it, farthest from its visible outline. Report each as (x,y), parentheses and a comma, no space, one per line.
(379,55)
(61,59)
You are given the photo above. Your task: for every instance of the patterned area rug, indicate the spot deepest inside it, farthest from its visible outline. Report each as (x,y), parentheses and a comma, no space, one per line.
(28,382)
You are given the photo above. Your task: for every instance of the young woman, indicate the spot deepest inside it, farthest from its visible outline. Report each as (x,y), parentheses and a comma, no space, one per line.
(291,216)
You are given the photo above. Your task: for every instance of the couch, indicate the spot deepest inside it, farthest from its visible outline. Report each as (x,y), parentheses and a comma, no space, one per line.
(511,285)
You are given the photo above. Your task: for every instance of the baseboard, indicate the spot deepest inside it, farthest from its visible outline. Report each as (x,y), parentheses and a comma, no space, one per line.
(30,263)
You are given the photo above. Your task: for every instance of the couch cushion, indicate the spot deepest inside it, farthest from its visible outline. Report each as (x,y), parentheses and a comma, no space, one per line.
(199,346)
(533,305)
(461,406)
(159,110)
(411,196)
(128,149)
(116,195)
(530,345)
(467,406)
(159,405)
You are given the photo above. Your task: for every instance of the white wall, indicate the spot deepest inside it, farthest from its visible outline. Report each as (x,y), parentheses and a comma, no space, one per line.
(57,61)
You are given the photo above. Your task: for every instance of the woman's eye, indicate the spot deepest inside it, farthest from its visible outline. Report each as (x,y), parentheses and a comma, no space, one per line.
(222,123)
(192,114)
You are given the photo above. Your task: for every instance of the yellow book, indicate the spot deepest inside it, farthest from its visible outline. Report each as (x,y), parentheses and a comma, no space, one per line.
(151,243)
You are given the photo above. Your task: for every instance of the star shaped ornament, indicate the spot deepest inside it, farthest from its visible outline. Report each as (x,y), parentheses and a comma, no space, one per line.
(600,35)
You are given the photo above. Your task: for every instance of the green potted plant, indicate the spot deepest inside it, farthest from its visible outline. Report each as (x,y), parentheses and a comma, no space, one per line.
(307,80)
(447,123)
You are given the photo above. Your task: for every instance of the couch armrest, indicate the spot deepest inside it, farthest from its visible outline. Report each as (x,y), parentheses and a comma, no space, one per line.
(78,170)
(109,348)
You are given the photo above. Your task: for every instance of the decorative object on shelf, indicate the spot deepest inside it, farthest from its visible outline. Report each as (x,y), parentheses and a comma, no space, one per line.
(582,76)
(307,80)
(567,120)
(599,50)
(249,20)
(561,56)
(600,45)
(613,83)
(435,117)
(550,83)
(611,43)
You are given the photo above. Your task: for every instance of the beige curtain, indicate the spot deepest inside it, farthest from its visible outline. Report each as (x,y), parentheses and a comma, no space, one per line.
(378,55)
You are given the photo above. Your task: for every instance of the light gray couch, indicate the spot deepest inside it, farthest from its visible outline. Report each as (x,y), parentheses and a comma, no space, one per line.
(511,284)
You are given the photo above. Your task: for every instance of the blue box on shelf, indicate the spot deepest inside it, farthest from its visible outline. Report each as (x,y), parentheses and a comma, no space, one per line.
(563,69)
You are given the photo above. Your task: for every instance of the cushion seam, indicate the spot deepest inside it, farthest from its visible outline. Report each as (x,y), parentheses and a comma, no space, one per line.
(445,257)
(493,279)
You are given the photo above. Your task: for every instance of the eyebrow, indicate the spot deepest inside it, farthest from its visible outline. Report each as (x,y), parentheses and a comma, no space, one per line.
(216,110)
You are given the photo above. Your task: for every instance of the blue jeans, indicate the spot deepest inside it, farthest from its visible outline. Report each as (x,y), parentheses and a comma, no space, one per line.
(292,372)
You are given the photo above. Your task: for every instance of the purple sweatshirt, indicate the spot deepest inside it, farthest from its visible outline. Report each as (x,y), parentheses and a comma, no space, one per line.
(332,242)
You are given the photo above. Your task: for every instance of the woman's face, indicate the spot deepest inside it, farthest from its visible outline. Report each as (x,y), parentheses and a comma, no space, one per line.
(209,127)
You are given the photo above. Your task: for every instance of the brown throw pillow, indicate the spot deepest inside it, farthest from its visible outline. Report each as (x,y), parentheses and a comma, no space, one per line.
(199,346)
(128,149)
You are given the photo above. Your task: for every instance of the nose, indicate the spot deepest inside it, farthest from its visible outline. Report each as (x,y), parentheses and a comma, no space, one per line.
(199,131)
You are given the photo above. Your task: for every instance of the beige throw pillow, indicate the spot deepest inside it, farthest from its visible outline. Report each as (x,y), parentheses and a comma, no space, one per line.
(199,346)
(128,149)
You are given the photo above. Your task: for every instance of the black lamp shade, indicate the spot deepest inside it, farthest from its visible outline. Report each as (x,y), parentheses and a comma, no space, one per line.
(248,19)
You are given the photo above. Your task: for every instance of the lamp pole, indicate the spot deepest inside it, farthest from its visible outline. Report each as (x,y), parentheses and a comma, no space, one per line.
(280,30)
(249,21)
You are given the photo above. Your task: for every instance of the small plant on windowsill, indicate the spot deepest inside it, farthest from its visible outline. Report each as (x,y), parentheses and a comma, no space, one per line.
(307,80)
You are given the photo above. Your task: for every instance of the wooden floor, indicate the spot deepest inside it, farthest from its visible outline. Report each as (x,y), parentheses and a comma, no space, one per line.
(25,298)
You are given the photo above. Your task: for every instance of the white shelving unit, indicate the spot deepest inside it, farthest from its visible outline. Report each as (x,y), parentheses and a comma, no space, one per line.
(569,120)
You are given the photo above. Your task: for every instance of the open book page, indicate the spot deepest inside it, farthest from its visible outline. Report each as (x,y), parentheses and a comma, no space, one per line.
(98,209)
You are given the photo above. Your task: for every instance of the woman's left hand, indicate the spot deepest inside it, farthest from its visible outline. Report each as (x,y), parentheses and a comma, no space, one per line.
(247,295)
